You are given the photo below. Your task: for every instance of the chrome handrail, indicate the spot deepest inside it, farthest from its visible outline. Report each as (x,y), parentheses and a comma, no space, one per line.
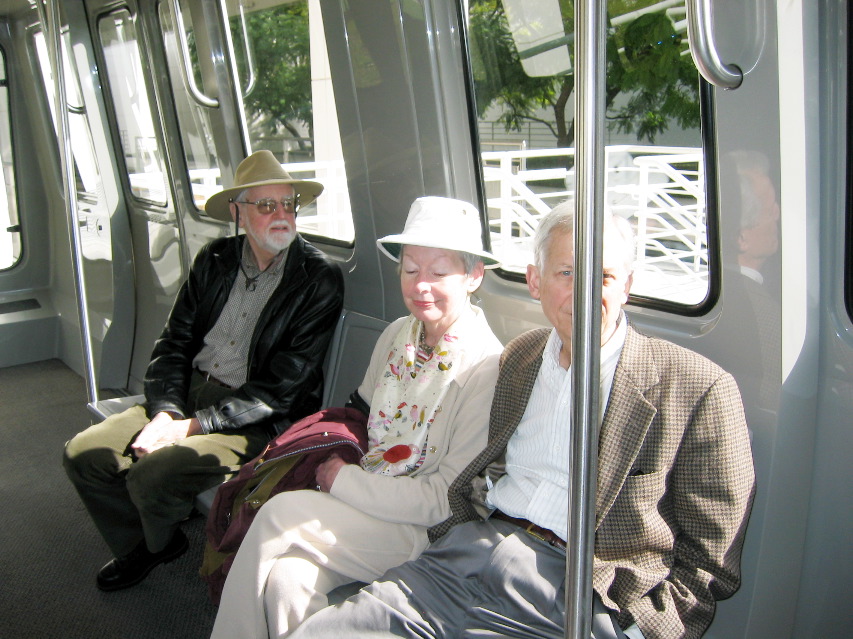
(51,25)
(703,49)
(186,64)
(250,56)
(590,28)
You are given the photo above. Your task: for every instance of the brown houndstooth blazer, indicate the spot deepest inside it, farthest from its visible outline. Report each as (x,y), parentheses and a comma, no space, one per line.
(675,480)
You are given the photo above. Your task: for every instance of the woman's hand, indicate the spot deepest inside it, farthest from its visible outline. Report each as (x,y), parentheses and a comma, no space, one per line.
(327,471)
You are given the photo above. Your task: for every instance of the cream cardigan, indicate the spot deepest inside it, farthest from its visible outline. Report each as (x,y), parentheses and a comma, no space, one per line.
(457,435)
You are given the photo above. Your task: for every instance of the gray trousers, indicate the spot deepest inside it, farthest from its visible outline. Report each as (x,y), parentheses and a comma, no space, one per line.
(130,500)
(482,579)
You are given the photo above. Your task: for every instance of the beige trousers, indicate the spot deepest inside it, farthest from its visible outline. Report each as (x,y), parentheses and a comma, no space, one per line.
(301,546)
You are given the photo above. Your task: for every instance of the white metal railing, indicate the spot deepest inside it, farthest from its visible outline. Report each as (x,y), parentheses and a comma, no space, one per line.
(671,217)
(331,217)
(660,190)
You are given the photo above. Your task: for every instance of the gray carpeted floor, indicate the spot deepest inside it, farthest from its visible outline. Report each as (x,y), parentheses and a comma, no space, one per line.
(49,549)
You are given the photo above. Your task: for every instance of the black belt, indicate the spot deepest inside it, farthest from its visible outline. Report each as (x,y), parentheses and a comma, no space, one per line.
(210,378)
(548,536)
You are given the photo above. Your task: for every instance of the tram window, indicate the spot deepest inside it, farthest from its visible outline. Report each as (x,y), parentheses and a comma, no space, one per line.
(10,230)
(142,154)
(522,66)
(85,165)
(194,120)
(92,213)
(287,97)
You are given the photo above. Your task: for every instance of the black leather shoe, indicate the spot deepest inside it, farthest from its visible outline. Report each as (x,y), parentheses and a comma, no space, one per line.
(127,571)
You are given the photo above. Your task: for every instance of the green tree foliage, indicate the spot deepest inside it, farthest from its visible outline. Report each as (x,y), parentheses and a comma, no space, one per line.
(500,78)
(282,94)
(661,83)
(650,82)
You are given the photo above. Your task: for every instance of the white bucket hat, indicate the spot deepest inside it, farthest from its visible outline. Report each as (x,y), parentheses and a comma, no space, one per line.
(440,222)
(259,169)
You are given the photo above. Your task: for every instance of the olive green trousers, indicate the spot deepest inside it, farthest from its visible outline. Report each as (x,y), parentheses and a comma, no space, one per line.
(133,499)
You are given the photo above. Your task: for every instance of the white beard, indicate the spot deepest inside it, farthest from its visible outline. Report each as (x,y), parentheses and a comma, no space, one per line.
(271,241)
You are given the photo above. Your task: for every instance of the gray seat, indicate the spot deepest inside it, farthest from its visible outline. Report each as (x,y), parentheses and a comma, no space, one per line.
(105,407)
(349,355)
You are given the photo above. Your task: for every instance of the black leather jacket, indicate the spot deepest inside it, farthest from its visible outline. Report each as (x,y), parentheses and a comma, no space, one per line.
(289,342)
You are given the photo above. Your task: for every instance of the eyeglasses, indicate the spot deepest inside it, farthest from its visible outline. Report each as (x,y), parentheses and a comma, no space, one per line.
(268,206)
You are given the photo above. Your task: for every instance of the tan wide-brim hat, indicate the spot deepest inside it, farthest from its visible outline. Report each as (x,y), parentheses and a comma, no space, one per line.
(440,222)
(259,169)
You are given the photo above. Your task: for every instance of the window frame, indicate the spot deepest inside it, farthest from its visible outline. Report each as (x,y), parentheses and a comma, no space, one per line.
(108,95)
(12,199)
(712,219)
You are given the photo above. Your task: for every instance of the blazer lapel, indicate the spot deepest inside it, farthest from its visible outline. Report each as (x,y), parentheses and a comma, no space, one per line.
(626,421)
(515,384)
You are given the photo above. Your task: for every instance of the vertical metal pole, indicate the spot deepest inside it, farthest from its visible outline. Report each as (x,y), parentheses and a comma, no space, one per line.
(51,23)
(586,331)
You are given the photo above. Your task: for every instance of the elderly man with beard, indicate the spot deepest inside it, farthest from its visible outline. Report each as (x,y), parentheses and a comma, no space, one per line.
(239,360)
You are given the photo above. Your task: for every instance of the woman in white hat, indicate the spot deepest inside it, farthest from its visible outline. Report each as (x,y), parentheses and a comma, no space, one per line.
(428,392)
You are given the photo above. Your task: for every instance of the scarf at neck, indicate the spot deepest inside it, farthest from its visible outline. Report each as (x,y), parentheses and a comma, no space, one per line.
(408,396)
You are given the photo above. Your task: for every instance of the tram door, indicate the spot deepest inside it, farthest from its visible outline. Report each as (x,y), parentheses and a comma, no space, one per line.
(180,134)
(36,258)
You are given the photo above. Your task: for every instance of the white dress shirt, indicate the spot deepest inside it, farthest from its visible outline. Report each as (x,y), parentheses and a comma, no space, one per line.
(538,455)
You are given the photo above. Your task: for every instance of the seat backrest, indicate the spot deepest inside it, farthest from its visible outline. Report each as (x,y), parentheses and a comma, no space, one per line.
(103,408)
(346,361)
(349,355)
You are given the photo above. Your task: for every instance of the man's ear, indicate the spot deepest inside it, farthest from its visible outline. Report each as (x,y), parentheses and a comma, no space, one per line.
(533,281)
(629,281)
(232,207)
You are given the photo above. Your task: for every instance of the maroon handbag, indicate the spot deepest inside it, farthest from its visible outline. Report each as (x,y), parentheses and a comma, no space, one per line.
(289,462)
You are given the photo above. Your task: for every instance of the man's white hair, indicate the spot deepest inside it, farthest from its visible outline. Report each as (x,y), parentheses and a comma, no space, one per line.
(562,219)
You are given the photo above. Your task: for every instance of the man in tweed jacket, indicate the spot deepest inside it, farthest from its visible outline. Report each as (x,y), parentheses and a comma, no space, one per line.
(675,486)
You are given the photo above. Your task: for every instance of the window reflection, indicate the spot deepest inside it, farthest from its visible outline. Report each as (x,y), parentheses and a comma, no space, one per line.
(127,88)
(10,230)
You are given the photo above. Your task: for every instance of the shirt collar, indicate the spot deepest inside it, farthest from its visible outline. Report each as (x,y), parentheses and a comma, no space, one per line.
(617,340)
(250,263)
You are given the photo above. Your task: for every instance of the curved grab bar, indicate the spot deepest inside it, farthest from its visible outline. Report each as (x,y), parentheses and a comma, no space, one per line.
(186,66)
(705,56)
(250,57)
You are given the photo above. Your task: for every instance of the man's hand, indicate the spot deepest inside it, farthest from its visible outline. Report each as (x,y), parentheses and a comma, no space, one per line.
(163,431)
(327,471)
